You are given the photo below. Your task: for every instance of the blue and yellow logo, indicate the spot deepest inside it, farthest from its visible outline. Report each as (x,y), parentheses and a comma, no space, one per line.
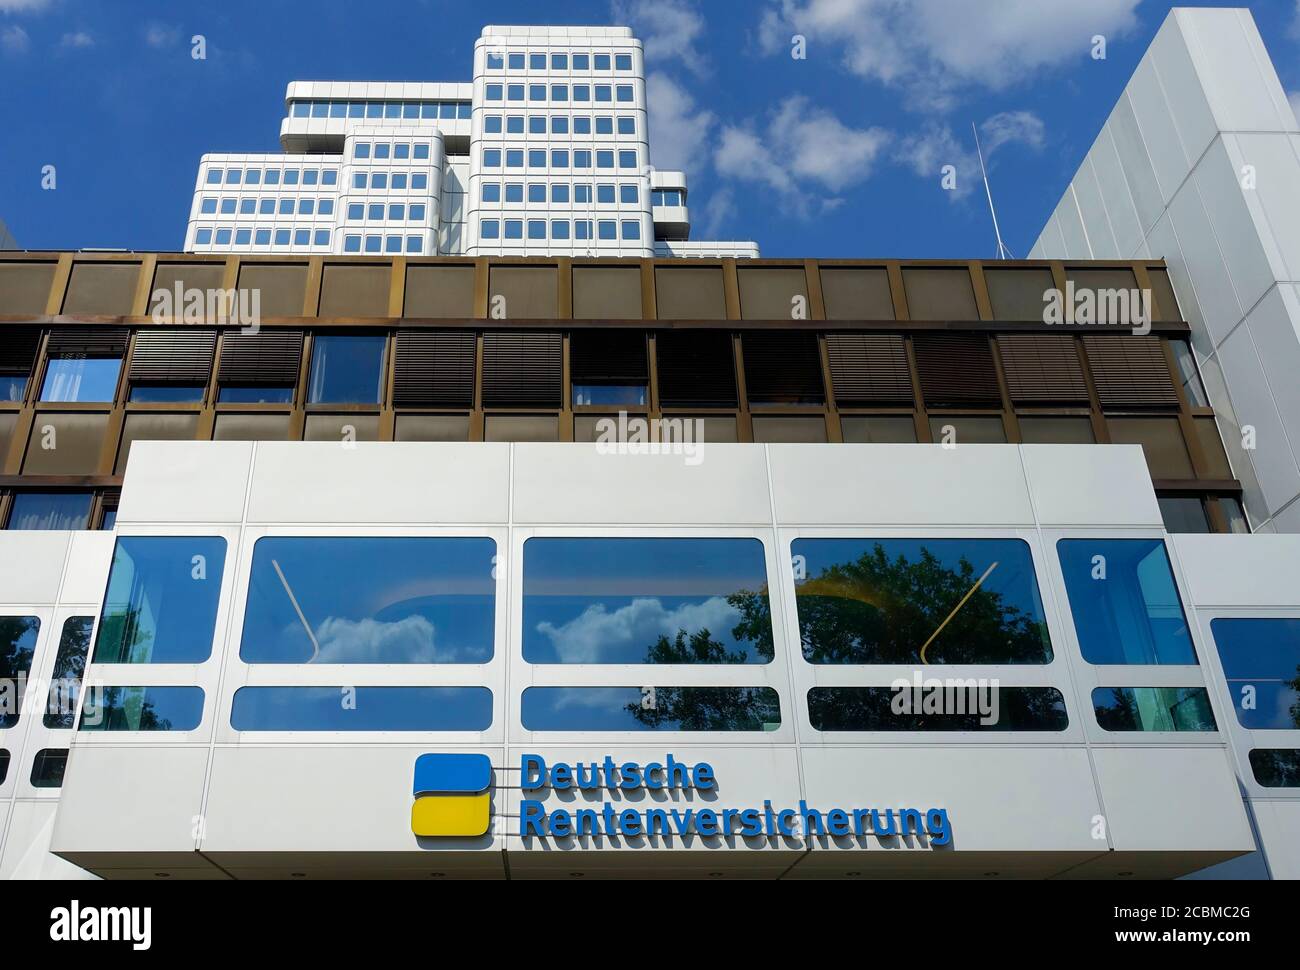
(452,795)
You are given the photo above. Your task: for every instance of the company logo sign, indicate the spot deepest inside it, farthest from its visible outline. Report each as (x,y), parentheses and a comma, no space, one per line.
(452,795)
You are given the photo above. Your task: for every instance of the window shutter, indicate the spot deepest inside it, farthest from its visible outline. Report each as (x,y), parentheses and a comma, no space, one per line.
(1130,371)
(521,368)
(88,342)
(434,367)
(782,366)
(18,346)
(869,368)
(956,369)
(609,356)
(1042,369)
(173,356)
(696,369)
(268,357)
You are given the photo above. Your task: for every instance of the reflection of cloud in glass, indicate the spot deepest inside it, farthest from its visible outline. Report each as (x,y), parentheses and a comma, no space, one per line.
(596,631)
(597,698)
(408,640)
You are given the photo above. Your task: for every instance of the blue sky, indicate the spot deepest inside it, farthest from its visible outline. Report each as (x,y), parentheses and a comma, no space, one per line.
(837,154)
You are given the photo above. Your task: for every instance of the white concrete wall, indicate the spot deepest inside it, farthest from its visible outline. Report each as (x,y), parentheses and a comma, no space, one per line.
(1199,165)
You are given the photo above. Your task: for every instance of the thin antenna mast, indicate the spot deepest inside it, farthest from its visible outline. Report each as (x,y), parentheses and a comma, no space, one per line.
(1003,252)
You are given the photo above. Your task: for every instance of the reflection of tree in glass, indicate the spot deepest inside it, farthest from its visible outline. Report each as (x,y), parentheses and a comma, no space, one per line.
(876,610)
(712,708)
(119,634)
(15,660)
(1295,708)
(871,709)
(1121,714)
(69,666)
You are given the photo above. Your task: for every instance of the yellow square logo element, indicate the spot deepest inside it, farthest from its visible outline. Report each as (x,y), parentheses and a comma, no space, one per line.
(464,815)
(453,795)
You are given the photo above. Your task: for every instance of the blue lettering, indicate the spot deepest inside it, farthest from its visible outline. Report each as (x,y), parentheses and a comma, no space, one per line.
(561,776)
(702,776)
(532,769)
(560,823)
(706,821)
(751,822)
(630,774)
(652,769)
(837,822)
(629,822)
(937,823)
(682,822)
(532,818)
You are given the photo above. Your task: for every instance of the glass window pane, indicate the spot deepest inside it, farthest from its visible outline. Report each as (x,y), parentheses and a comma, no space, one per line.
(48,768)
(1125,604)
(1153,709)
(50,510)
(370,600)
(907,601)
(17,646)
(958,430)
(878,428)
(1261,662)
(166,393)
(142,709)
(651,709)
(1276,767)
(256,395)
(347,369)
(975,708)
(646,601)
(1183,513)
(1056,430)
(81,379)
(69,667)
(161,604)
(4,765)
(361,709)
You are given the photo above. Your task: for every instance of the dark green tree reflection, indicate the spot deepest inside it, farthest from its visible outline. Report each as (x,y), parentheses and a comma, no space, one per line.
(17,646)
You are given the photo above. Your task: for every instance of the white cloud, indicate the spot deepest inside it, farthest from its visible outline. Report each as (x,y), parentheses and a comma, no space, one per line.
(803,153)
(667,29)
(597,632)
(161,35)
(408,640)
(928,151)
(78,39)
(14,40)
(718,210)
(933,48)
(1012,127)
(680,131)
(22,6)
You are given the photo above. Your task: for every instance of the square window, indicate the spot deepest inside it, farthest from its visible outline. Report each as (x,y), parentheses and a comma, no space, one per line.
(397,212)
(581,92)
(326,207)
(582,194)
(537,192)
(356,109)
(537,92)
(272,176)
(495,61)
(559,158)
(492,124)
(232,176)
(402,150)
(306,207)
(282,237)
(329,176)
(627,159)
(537,158)
(559,193)
(90,379)
(607,228)
(559,229)
(582,126)
(582,62)
(515,158)
(603,92)
(514,229)
(347,369)
(208,206)
(243,237)
(290,176)
(382,150)
(491,191)
(582,159)
(419,180)
(415,244)
(582,229)
(536,228)
(559,92)
(377,212)
(492,92)
(491,158)
(356,211)
(536,62)
(604,125)
(560,125)
(622,62)
(624,93)
(253,176)
(227,207)
(302,237)
(559,62)
(604,159)
(415,213)
(301,109)
(628,193)
(203,237)
(320,109)
(601,62)
(489,229)
(464,110)
(310,176)
(631,229)
(514,92)
(410,110)
(214,176)
(361,150)
(374,244)
(516,62)
(626,125)
(359,180)
(393,244)
(263,237)
(515,125)
(446,110)
(514,192)
(338,109)
(223,237)
(322,237)
(537,124)
(605,193)
(286,207)
(374,109)
(392,110)
(399,180)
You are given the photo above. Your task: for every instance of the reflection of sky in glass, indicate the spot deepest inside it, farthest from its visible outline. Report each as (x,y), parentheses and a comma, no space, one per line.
(17,646)
(1132,613)
(370,600)
(1262,653)
(1012,579)
(614,708)
(361,709)
(603,601)
(142,709)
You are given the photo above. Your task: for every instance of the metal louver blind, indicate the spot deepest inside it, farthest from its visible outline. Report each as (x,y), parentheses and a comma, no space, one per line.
(696,369)
(18,346)
(782,366)
(267,357)
(1130,371)
(173,356)
(956,369)
(88,341)
(608,355)
(434,367)
(1042,368)
(521,368)
(868,368)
